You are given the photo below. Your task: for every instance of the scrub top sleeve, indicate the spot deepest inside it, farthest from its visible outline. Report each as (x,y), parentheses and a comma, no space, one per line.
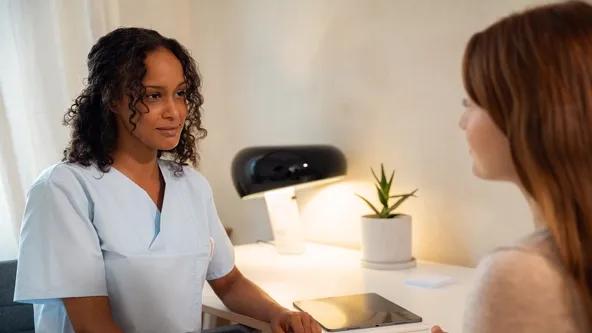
(222,261)
(59,252)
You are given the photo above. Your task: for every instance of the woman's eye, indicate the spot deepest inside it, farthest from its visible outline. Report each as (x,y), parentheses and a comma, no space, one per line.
(182,93)
(153,96)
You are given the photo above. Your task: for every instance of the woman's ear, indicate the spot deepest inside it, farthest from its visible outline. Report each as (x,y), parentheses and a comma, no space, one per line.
(114,106)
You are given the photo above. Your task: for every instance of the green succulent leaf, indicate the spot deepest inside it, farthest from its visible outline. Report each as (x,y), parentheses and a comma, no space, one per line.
(383,182)
(390,183)
(369,204)
(384,213)
(382,197)
(401,200)
(383,187)
(375,177)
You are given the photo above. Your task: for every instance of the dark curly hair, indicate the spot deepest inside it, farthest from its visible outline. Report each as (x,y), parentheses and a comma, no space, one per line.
(116,67)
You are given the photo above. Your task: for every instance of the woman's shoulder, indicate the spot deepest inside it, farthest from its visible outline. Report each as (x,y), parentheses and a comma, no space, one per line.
(531,262)
(535,253)
(67,178)
(516,266)
(63,173)
(519,283)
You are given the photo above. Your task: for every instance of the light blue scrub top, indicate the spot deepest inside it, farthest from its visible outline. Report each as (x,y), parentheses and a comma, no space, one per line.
(88,233)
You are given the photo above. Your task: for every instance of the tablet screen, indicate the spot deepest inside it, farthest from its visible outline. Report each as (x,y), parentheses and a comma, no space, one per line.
(356,311)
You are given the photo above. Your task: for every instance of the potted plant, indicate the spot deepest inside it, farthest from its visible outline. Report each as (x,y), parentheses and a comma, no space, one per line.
(386,234)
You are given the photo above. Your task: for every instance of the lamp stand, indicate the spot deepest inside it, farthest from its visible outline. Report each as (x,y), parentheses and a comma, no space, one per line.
(285,220)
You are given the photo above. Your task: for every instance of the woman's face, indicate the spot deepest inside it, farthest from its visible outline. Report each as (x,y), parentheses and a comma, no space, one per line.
(160,122)
(488,146)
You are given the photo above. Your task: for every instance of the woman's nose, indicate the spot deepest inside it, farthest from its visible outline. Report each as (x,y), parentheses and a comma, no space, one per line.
(171,110)
(462,122)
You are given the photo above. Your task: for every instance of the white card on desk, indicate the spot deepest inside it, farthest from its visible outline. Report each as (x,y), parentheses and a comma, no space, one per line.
(430,281)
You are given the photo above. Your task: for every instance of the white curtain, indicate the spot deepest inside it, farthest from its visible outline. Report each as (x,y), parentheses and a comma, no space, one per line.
(43,48)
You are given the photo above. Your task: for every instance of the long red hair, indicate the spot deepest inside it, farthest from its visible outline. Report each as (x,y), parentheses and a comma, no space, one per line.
(532,72)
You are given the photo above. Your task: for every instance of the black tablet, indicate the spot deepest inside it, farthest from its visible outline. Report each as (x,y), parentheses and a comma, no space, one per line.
(356,311)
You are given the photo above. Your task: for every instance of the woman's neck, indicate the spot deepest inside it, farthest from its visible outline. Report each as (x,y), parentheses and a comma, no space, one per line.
(139,166)
(535,209)
(134,158)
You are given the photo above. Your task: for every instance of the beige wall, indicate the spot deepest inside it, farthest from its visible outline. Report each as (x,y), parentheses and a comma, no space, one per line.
(378,79)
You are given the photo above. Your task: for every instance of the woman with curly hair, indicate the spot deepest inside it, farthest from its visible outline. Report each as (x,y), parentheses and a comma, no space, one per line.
(121,236)
(528,120)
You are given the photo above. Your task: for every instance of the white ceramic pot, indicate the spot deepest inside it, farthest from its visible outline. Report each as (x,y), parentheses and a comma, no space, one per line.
(386,243)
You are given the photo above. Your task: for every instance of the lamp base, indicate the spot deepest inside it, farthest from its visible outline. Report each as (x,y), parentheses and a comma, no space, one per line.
(285,221)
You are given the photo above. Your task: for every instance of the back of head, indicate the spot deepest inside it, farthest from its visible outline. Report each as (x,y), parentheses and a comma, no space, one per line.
(532,72)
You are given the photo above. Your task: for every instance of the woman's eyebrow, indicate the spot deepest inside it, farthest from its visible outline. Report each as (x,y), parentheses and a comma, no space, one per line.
(161,87)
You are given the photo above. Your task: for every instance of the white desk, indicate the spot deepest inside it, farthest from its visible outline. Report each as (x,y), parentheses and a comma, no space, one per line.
(325,271)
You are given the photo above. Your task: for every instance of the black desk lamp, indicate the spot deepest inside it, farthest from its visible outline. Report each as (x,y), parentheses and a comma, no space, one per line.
(274,173)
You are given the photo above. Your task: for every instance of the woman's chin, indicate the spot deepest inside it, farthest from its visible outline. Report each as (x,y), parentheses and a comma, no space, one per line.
(478,173)
(491,175)
(168,145)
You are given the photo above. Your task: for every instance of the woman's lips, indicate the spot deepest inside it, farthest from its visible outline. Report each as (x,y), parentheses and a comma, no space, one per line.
(168,131)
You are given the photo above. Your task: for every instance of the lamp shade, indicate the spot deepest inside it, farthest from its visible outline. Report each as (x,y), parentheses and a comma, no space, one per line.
(256,170)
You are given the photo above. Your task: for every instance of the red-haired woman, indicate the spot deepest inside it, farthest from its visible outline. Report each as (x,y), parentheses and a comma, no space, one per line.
(528,120)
